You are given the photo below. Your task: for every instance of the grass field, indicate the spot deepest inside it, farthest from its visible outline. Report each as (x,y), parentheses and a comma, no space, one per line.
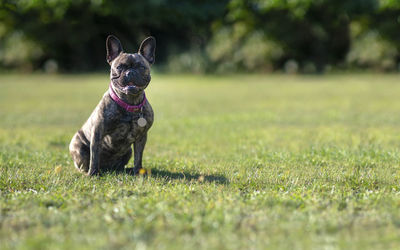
(237,162)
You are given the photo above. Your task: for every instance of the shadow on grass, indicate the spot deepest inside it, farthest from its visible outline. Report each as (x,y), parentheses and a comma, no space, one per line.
(189,177)
(219,179)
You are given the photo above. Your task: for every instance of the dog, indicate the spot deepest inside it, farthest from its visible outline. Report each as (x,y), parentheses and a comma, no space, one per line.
(123,116)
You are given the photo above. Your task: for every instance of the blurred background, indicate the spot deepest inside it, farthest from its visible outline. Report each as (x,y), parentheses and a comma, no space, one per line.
(293,36)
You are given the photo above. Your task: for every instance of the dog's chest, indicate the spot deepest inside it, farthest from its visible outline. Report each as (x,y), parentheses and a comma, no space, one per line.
(125,131)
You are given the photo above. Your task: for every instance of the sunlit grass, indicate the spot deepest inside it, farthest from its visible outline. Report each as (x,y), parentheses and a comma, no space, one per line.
(236,162)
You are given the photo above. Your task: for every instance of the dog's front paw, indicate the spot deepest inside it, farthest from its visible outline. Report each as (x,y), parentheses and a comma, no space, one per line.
(92,172)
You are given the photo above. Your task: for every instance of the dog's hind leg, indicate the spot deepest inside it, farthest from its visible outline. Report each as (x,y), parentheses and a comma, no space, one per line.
(80,153)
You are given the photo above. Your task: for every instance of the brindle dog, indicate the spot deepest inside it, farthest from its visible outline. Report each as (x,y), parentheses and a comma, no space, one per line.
(104,141)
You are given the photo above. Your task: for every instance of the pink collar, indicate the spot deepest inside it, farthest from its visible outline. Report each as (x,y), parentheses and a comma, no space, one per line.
(126,106)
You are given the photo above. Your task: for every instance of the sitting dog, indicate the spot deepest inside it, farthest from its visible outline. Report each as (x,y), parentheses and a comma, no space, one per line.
(122,117)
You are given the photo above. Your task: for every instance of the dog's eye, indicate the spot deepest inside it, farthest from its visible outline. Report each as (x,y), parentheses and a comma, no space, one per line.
(120,67)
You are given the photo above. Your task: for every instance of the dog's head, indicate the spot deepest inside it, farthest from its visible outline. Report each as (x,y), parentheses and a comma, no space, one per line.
(130,73)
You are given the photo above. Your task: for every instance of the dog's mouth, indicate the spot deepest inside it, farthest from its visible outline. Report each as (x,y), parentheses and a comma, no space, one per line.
(132,88)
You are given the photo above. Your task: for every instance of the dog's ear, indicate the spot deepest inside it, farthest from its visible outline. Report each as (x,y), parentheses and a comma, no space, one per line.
(148,48)
(114,48)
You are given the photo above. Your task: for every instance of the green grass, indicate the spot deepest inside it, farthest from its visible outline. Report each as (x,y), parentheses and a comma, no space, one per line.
(237,162)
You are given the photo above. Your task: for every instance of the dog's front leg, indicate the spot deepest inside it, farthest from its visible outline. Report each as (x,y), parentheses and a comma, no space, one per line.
(95,144)
(138,151)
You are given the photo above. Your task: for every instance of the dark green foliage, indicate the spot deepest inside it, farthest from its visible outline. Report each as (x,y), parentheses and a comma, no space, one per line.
(252,35)
(309,31)
(73,32)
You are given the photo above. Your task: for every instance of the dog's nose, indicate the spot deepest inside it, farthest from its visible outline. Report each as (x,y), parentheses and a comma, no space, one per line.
(129,73)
